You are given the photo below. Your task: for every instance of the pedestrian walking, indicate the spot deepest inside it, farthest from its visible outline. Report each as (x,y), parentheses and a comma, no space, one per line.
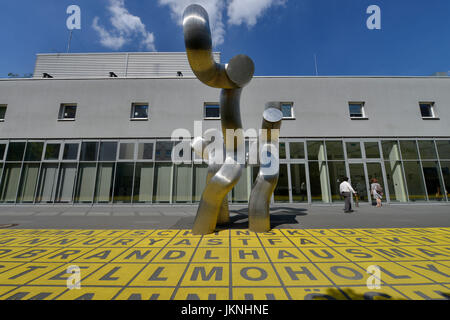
(346,191)
(376,191)
(303,190)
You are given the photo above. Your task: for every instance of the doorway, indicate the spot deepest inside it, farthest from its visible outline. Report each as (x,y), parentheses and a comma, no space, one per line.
(361,175)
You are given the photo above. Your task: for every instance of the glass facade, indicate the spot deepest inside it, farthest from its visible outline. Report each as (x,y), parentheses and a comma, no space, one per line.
(141,172)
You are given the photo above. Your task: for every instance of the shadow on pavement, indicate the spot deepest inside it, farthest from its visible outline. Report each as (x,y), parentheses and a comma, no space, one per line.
(278,216)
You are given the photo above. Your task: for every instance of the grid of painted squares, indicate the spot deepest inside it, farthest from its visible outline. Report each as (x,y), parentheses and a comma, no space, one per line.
(228,265)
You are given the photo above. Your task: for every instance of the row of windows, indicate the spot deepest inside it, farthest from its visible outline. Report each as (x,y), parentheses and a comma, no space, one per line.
(212,110)
(50,151)
(357,110)
(140,111)
(140,183)
(141,171)
(106,151)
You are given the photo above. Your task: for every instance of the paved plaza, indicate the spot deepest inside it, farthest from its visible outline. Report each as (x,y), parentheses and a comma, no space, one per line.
(182,217)
(312,253)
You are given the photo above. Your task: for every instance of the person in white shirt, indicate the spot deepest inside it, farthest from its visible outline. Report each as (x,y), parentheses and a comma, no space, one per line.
(346,191)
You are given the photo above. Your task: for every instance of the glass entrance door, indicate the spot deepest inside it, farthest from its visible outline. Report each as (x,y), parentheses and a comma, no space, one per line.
(375,171)
(358,181)
(361,175)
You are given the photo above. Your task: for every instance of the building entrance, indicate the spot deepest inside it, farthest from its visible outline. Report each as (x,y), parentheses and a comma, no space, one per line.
(361,175)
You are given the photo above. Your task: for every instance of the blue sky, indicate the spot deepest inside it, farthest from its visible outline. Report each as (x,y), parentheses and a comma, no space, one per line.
(281,36)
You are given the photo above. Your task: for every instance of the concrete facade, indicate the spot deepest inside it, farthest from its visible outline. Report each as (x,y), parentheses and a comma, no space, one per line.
(106,155)
(320,106)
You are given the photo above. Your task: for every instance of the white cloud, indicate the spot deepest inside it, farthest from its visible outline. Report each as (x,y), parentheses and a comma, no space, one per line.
(125,27)
(107,39)
(214,9)
(249,11)
(239,12)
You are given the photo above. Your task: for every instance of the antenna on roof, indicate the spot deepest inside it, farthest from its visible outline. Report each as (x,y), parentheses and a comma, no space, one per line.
(315,63)
(70,40)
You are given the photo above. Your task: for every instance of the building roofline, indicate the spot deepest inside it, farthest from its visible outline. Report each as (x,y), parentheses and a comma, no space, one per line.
(256,77)
(112,53)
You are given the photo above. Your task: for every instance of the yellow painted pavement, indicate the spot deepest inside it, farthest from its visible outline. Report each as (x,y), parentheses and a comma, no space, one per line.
(414,263)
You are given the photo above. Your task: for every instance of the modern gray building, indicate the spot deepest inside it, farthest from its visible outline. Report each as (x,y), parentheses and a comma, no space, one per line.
(96,129)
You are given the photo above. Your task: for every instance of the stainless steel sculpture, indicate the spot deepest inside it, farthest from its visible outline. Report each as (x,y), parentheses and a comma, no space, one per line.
(231,78)
(259,204)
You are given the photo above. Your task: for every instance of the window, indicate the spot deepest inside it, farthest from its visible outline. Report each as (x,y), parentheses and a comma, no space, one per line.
(335,151)
(66,182)
(86,177)
(297,150)
(34,151)
(70,151)
(427,150)
(143,183)
(443,148)
(52,151)
(89,151)
(357,110)
(67,112)
(288,110)
(427,110)
(409,150)
(145,151)
(8,188)
(316,150)
(281,192)
(182,182)
(162,182)
(15,151)
(164,151)
(104,183)
(108,151)
(372,150)
(282,150)
(353,150)
(139,111)
(126,151)
(212,111)
(123,187)
(299,183)
(2,151)
(2,112)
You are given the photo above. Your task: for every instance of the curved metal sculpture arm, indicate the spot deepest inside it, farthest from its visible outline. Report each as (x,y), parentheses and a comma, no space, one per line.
(199,144)
(230,115)
(259,203)
(197,36)
(221,179)
(213,196)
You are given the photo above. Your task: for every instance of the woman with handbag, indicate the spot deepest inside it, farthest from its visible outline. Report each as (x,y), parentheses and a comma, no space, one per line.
(376,191)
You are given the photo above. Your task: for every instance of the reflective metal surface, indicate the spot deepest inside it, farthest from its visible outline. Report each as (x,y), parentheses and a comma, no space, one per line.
(266,182)
(213,208)
(197,37)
